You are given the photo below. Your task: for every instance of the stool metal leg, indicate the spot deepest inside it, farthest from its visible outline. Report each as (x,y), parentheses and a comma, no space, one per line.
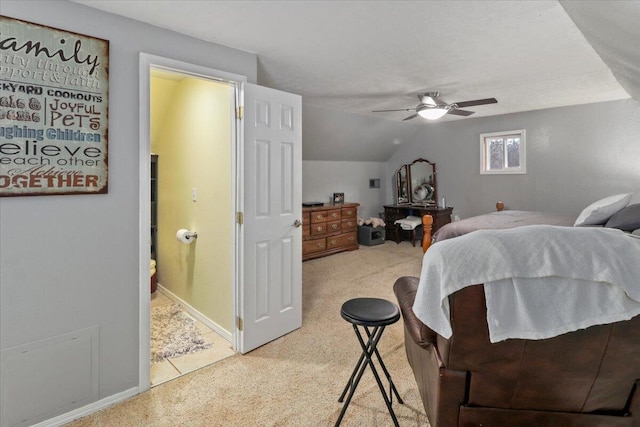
(369,361)
(392,386)
(360,365)
(368,350)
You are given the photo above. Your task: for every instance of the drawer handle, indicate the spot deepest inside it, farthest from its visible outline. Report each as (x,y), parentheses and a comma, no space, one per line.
(334,215)
(319,217)
(319,245)
(351,239)
(349,213)
(332,243)
(319,228)
(334,226)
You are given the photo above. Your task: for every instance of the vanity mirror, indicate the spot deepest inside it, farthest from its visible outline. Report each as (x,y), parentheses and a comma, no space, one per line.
(422,182)
(402,184)
(416,183)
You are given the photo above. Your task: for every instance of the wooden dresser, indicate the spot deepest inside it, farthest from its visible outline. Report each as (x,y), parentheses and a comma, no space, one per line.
(329,229)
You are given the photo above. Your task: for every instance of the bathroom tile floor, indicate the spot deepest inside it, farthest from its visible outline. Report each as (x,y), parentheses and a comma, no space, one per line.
(174,367)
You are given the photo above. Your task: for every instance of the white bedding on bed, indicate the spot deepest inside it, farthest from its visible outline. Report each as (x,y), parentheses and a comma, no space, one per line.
(540,280)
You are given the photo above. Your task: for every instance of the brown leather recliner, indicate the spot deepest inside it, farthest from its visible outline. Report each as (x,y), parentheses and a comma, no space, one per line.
(589,377)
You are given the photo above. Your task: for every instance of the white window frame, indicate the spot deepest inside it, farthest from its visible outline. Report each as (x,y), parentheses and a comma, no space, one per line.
(484,153)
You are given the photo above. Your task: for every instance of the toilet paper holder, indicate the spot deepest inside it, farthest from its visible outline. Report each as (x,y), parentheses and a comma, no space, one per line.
(186,236)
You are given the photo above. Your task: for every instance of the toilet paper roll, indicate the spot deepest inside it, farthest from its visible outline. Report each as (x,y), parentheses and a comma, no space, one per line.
(185,236)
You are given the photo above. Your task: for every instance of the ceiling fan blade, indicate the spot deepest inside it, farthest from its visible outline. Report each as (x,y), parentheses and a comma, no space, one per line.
(457,112)
(464,104)
(387,111)
(410,117)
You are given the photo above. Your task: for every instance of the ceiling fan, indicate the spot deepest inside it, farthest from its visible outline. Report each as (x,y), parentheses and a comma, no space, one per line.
(432,107)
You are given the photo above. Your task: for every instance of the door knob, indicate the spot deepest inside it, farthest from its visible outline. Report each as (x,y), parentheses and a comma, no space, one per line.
(297,223)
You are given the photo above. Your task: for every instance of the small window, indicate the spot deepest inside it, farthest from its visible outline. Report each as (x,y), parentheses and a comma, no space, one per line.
(503,152)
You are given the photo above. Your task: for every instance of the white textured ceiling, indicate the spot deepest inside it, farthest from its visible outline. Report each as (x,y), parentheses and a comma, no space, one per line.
(359,56)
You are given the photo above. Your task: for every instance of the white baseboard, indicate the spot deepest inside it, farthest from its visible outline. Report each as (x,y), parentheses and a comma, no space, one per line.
(89,409)
(195,313)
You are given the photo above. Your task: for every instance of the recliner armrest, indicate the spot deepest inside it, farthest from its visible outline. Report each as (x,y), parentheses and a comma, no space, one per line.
(405,289)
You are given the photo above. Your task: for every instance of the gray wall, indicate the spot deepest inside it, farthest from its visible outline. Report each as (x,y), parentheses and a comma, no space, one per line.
(575,156)
(321,179)
(70,263)
(341,136)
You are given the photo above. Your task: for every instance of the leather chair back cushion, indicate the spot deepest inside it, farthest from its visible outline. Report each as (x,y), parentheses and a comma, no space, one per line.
(582,371)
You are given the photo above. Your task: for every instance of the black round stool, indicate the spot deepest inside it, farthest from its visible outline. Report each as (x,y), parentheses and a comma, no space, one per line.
(373,315)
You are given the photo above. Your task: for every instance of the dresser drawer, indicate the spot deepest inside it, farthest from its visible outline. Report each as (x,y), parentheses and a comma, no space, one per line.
(318,216)
(333,215)
(306,230)
(350,212)
(317,245)
(342,240)
(318,228)
(349,225)
(333,226)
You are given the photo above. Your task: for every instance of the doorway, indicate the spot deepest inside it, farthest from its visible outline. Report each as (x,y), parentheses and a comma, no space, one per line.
(188,122)
(266,186)
(191,138)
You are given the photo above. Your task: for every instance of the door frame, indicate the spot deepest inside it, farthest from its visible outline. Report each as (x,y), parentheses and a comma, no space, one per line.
(146,63)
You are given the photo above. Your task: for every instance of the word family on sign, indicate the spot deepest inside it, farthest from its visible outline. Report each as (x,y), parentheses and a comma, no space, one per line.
(53,110)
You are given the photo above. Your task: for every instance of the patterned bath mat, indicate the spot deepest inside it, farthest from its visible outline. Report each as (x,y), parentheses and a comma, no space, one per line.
(173,333)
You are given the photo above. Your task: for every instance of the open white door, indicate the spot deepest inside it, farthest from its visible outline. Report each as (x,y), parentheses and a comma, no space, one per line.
(270,303)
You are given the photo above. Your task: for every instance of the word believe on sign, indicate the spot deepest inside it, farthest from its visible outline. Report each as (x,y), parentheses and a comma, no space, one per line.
(54,99)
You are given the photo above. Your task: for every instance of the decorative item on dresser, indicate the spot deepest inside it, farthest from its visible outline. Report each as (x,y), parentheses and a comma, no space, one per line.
(329,229)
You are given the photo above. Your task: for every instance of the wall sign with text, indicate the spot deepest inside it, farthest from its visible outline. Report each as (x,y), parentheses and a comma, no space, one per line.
(54,99)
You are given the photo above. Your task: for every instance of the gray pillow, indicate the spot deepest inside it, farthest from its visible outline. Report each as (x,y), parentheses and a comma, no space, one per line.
(627,219)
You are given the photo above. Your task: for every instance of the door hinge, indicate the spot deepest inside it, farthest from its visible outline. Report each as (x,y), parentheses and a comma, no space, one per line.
(240,218)
(240,323)
(240,112)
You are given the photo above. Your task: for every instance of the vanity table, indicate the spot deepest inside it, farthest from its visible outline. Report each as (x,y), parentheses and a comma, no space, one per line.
(416,194)
(441,216)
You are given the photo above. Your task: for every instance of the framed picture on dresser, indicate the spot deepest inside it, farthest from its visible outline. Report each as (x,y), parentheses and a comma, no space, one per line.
(338,197)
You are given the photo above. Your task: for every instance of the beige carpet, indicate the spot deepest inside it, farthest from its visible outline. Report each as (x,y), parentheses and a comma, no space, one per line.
(295,380)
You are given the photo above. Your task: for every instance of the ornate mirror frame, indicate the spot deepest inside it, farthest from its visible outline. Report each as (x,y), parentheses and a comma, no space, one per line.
(416,183)
(401,178)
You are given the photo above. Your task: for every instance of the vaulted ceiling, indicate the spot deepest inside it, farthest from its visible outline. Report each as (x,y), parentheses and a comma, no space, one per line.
(359,56)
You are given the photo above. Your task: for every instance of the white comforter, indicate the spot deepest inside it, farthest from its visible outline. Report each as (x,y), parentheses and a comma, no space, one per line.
(540,280)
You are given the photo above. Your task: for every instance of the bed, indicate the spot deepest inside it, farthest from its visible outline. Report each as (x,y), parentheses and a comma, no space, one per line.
(613,211)
(501,220)
(525,258)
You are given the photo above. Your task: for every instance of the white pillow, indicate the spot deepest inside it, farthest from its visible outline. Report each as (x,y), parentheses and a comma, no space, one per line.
(599,212)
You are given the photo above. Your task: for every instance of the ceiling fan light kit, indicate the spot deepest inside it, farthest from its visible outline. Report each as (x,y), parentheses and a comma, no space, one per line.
(431,107)
(433,112)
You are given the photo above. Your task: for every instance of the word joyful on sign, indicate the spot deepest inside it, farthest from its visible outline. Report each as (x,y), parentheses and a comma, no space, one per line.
(54,99)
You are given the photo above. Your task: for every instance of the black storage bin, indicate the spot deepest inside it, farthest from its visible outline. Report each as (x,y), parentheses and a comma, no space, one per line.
(370,236)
